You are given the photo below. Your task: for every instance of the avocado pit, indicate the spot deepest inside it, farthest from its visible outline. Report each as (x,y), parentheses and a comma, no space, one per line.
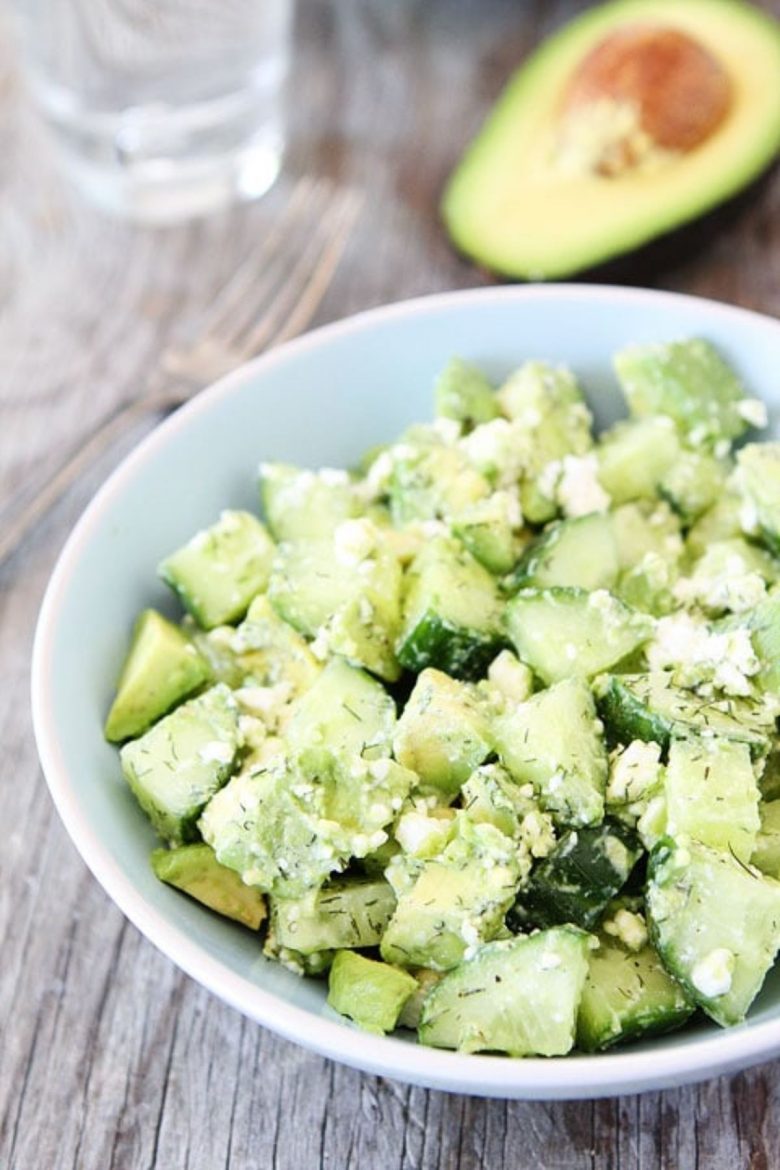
(644,94)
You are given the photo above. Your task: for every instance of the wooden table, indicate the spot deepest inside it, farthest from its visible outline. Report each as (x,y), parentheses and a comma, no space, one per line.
(109,1056)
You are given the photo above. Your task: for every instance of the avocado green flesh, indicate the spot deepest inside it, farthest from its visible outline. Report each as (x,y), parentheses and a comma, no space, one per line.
(507,207)
(195,870)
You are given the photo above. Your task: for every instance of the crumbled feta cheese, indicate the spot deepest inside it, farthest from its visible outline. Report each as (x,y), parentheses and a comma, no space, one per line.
(578,490)
(354,541)
(448,430)
(753,411)
(333,476)
(633,771)
(216,752)
(713,974)
(510,676)
(629,928)
(726,659)
(418,834)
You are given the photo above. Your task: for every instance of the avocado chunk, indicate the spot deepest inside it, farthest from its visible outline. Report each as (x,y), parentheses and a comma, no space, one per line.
(569,171)
(218,572)
(463,393)
(195,870)
(177,766)
(688,382)
(444,731)
(519,996)
(370,993)
(162,667)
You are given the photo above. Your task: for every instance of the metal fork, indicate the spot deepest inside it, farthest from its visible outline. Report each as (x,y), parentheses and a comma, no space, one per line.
(270,298)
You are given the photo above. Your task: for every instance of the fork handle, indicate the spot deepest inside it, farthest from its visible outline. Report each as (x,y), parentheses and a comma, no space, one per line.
(78,461)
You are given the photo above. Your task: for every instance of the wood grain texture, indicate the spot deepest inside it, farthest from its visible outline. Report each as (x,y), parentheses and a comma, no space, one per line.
(109,1057)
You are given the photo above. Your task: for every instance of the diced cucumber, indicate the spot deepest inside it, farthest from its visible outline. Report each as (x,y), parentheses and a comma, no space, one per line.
(510,678)
(488,530)
(651,707)
(519,996)
(195,870)
(463,393)
(634,458)
(566,632)
(269,652)
(758,480)
(628,995)
(346,593)
(452,612)
(547,407)
(578,879)
(689,382)
(306,505)
(720,522)
(444,732)
(766,855)
(694,482)
(218,572)
(712,794)
(579,552)
(370,993)
(763,622)
(347,912)
(433,482)
(492,796)
(162,667)
(345,716)
(715,923)
(731,575)
(568,766)
(458,899)
(177,766)
(644,527)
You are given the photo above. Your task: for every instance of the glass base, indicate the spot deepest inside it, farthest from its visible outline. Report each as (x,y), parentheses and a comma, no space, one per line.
(161,192)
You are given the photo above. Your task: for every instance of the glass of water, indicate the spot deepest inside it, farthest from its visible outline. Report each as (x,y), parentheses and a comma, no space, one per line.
(162,109)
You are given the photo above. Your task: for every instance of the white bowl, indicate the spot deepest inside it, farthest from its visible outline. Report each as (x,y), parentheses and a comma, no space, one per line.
(324,399)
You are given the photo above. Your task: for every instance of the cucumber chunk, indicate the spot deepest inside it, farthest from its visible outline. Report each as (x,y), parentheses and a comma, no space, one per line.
(195,870)
(488,529)
(627,995)
(766,855)
(306,505)
(432,482)
(731,575)
(720,522)
(346,913)
(452,613)
(519,996)
(579,552)
(345,593)
(634,457)
(345,716)
(758,479)
(693,483)
(370,993)
(162,667)
(566,632)
(715,923)
(712,794)
(689,382)
(576,881)
(463,393)
(567,768)
(177,766)
(219,571)
(444,732)
(763,622)
(651,707)
(546,406)
(270,653)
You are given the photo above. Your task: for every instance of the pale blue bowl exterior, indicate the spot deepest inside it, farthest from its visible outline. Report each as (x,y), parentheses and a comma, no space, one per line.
(322,400)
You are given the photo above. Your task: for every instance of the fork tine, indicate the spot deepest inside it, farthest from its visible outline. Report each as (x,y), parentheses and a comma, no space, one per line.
(233,292)
(301,295)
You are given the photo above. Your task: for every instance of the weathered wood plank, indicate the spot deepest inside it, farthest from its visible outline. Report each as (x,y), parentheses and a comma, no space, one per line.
(109,1057)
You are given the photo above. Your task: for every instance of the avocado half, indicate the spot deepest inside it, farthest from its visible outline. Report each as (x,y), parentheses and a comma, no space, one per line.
(510,207)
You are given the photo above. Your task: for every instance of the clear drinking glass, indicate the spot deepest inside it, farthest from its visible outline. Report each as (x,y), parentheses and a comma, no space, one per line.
(162,109)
